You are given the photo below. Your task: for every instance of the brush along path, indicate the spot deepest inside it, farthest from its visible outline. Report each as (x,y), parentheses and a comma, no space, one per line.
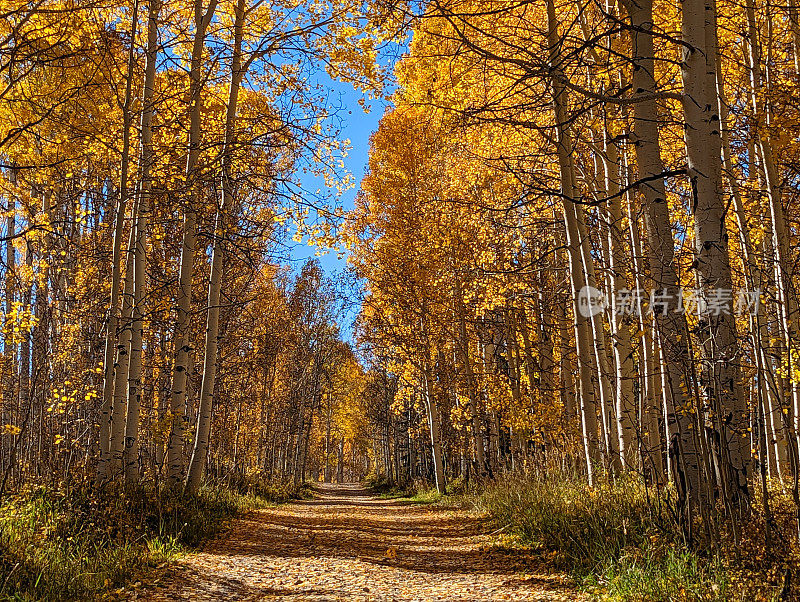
(346,544)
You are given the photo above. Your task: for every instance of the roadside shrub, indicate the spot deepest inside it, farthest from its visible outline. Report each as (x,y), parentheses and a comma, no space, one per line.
(619,540)
(58,545)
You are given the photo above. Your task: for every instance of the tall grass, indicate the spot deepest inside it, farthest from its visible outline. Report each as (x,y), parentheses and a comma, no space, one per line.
(617,539)
(78,545)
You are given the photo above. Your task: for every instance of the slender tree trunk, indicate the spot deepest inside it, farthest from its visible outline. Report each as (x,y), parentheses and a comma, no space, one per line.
(514,375)
(104,467)
(119,408)
(131,456)
(781,243)
(435,432)
(200,452)
(328,417)
(670,321)
(340,461)
(25,345)
(581,323)
(9,340)
(603,371)
(472,390)
(183,346)
(620,321)
(717,328)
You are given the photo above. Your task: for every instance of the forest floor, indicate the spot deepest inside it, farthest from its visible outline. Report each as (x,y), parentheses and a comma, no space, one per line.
(347,544)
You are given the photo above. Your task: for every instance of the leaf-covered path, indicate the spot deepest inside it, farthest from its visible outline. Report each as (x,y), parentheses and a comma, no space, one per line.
(346,544)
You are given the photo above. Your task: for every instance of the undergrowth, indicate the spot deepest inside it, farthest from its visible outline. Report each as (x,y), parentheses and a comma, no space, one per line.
(418,491)
(621,543)
(81,544)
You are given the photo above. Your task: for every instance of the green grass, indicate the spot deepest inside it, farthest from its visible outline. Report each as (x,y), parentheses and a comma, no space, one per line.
(618,541)
(655,573)
(417,492)
(386,488)
(424,496)
(77,546)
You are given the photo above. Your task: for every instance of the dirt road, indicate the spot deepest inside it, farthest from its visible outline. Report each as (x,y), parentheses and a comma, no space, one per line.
(346,544)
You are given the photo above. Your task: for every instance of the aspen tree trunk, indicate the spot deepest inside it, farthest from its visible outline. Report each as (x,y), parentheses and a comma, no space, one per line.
(131,454)
(200,452)
(583,346)
(661,391)
(781,247)
(328,417)
(606,389)
(39,359)
(753,283)
(781,236)
(182,324)
(25,345)
(514,375)
(606,401)
(651,405)
(581,323)
(120,401)
(492,454)
(544,346)
(620,321)
(771,348)
(9,342)
(472,391)
(436,437)
(175,462)
(566,376)
(112,325)
(723,388)
(781,388)
(340,461)
(670,321)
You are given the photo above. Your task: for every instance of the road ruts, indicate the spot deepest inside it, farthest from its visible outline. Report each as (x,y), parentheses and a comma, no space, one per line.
(348,545)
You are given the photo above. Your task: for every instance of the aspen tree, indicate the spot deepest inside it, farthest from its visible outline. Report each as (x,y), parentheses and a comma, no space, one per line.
(9,343)
(175,464)
(472,391)
(198,461)
(606,402)
(787,294)
(134,394)
(721,378)
(122,362)
(574,251)
(25,345)
(671,324)
(620,320)
(106,461)
(651,405)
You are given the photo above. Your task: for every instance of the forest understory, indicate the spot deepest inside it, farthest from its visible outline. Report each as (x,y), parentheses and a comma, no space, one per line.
(523,536)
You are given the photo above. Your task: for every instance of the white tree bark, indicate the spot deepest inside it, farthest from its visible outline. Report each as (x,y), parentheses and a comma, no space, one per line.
(112,325)
(131,454)
(721,379)
(200,451)
(435,432)
(119,408)
(183,345)
(670,322)
(576,268)
(472,390)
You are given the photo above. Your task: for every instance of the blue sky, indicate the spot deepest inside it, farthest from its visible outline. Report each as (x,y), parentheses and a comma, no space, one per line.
(356,125)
